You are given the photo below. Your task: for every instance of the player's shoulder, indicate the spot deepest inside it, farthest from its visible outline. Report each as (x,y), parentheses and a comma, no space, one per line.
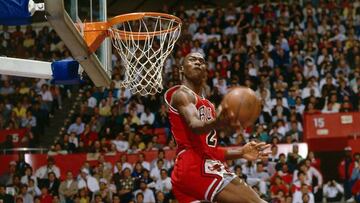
(181,96)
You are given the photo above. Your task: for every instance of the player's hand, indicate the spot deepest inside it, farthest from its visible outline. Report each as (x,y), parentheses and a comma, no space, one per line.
(253,151)
(226,118)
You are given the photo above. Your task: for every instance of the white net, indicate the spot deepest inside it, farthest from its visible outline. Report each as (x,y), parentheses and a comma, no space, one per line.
(144,45)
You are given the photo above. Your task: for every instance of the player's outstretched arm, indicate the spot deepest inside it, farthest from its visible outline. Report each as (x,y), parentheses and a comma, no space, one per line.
(251,151)
(184,102)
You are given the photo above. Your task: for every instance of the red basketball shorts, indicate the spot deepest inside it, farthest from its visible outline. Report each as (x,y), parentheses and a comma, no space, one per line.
(196,179)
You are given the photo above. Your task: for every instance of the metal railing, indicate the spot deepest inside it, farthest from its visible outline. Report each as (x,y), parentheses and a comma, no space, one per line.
(26,150)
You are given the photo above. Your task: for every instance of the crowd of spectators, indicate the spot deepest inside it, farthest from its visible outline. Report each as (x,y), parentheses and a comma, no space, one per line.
(27,103)
(299,57)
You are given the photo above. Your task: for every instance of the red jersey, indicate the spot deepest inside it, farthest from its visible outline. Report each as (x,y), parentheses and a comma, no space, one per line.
(204,144)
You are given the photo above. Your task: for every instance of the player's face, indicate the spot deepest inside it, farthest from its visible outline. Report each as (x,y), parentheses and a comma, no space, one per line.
(194,67)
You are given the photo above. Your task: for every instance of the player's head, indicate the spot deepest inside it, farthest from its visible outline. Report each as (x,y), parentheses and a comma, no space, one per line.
(194,68)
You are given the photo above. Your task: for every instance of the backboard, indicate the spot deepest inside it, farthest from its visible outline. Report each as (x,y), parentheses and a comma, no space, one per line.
(67,18)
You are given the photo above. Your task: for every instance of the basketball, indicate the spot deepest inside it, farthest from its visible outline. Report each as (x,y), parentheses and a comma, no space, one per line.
(244,103)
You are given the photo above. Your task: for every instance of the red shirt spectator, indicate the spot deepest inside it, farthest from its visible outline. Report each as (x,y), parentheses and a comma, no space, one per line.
(284,175)
(255,10)
(88,136)
(45,197)
(345,175)
(278,186)
(356,188)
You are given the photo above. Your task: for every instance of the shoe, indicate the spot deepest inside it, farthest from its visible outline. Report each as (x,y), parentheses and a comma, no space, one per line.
(351,200)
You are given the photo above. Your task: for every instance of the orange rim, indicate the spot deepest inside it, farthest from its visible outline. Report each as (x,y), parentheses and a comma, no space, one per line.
(95,31)
(137,16)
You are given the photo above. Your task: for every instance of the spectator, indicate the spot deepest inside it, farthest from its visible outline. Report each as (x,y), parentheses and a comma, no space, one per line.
(68,146)
(163,184)
(19,110)
(7,177)
(155,172)
(127,184)
(160,197)
(148,195)
(43,171)
(345,169)
(294,132)
(141,160)
(78,127)
(161,156)
(52,183)
(138,169)
(88,182)
(263,176)
(105,192)
(298,195)
(125,163)
(201,36)
(68,188)
(28,175)
(122,145)
(45,197)
(333,191)
(47,98)
(24,195)
(4,196)
(33,188)
(147,117)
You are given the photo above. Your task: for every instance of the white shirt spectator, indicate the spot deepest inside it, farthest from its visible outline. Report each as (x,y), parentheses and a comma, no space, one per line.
(331,191)
(148,195)
(306,92)
(300,108)
(284,103)
(269,62)
(231,30)
(147,118)
(91,183)
(202,37)
(214,36)
(313,172)
(163,185)
(73,139)
(323,82)
(297,197)
(92,102)
(322,57)
(124,165)
(155,173)
(145,165)
(46,96)
(124,94)
(222,87)
(249,171)
(43,171)
(310,70)
(193,27)
(121,145)
(339,37)
(25,179)
(28,121)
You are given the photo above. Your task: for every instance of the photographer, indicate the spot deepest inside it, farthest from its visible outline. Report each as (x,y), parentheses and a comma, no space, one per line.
(333,191)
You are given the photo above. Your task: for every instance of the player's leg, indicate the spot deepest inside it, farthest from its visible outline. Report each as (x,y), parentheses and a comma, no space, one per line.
(238,191)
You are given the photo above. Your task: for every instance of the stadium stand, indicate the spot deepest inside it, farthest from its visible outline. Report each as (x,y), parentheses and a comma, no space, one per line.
(300,58)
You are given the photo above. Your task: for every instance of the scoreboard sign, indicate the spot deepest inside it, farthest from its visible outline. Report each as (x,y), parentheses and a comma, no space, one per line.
(334,125)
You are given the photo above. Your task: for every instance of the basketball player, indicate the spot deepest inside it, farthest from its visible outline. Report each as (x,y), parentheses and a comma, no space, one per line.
(199,174)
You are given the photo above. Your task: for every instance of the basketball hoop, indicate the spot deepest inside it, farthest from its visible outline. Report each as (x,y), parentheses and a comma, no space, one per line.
(143,41)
